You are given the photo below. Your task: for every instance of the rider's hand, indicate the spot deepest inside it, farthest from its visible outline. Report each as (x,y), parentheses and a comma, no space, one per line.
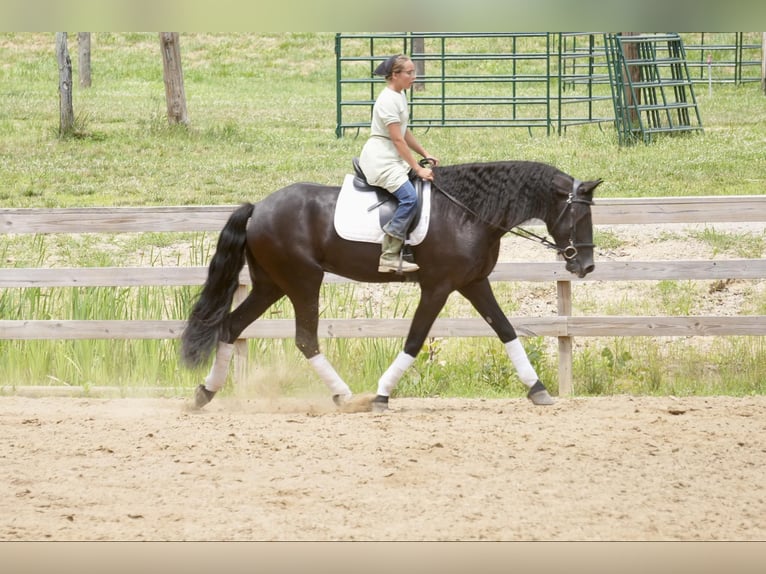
(424,173)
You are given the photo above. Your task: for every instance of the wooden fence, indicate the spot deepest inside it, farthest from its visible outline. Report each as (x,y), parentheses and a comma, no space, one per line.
(564,326)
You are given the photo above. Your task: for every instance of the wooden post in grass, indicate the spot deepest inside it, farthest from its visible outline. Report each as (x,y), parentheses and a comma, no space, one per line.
(632,53)
(418,47)
(763,62)
(174,78)
(66,111)
(83,60)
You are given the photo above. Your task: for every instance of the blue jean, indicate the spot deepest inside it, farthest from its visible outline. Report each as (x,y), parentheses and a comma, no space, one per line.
(408,201)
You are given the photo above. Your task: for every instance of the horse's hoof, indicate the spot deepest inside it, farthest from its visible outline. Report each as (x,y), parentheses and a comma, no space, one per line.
(202,396)
(354,403)
(379,404)
(341,400)
(538,394)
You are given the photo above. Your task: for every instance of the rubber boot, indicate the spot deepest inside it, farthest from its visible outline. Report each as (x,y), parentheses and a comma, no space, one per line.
(390,260)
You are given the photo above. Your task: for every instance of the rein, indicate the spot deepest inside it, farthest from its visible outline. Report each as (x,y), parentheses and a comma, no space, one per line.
(570,251)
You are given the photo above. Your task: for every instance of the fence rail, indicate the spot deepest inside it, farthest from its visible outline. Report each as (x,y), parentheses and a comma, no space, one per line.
(564,326)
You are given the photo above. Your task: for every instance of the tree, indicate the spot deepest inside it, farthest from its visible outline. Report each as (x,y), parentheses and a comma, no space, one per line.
(66,111)
(174,79)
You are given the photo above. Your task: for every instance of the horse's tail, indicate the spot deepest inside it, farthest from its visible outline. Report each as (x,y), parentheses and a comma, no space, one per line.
(203,328)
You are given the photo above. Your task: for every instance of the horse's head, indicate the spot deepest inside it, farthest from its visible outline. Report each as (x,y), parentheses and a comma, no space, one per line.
(572,228)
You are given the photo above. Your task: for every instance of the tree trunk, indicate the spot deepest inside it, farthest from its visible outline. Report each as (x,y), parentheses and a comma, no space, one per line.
(66,111)
(174,78)
(83,51)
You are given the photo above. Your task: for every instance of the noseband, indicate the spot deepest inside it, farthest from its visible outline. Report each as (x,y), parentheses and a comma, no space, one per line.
(570,251)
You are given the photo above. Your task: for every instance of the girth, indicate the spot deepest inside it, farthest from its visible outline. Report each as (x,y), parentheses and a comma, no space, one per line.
(386,200)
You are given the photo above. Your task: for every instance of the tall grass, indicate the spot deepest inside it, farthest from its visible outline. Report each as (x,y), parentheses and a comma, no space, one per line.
(654,366)
(262,115)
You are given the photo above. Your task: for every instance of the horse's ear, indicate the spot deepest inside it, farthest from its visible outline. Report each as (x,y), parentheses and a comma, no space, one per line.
(563,184)
(589,186)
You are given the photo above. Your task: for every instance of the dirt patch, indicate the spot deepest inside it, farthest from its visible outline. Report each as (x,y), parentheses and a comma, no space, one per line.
(272,468)
(612,468)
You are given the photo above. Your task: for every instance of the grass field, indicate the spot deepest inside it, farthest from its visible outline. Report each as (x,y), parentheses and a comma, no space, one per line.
(262,115)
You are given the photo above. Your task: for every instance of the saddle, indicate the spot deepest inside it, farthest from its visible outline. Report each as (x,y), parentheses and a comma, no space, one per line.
(386,201)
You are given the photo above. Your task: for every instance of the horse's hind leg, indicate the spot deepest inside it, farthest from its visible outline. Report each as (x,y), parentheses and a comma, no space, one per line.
(260,298)
(479,293)
(431,302)
(305,301)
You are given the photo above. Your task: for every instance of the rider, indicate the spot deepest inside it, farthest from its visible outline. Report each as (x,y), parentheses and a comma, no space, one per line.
(386,159)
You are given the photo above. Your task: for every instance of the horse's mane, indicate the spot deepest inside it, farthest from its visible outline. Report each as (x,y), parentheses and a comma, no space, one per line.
(503,194)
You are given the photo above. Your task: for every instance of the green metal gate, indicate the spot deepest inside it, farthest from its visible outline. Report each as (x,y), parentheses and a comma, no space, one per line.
(652,90)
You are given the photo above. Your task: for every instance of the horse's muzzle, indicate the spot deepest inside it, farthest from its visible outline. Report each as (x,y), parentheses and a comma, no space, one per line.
(587,269)
(580,268)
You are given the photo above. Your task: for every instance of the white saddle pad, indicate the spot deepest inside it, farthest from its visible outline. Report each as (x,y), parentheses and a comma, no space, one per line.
(355,223)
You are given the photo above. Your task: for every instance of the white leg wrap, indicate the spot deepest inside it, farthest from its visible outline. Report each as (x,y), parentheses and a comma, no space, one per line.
(390,378)
(217,375)
(328,374)
(519,358)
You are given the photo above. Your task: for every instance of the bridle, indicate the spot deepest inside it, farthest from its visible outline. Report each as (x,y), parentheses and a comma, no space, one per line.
(570,251)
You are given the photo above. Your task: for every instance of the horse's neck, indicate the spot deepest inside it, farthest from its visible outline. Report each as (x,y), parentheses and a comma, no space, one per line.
(524,206)
(502,194)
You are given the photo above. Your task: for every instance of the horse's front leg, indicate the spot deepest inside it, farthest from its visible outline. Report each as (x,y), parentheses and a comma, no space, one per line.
(431,302)
(480,294)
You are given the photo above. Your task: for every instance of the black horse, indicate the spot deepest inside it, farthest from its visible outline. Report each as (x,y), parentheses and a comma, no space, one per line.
(289,241)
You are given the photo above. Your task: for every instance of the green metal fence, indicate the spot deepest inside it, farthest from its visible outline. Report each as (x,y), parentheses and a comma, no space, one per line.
(723,57)
(584,95)
(537,81)
(467,80)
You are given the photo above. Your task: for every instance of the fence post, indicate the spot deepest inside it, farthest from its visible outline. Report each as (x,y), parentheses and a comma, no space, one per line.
(240,345)
(418,48)
(174,78)
(83,51)
(564,303)
(66,111)
(763,62)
